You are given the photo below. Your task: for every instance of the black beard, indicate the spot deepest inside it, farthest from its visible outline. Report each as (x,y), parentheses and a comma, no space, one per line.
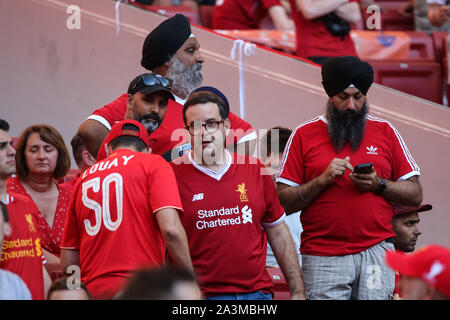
(150,121)
(346,126)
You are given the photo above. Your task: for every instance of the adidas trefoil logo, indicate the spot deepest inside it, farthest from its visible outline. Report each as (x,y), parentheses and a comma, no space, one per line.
(371,150)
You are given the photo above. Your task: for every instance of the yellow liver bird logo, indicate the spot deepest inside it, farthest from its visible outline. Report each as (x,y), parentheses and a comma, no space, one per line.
(241,189)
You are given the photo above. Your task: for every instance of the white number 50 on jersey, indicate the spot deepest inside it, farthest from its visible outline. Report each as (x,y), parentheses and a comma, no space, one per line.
(102,211)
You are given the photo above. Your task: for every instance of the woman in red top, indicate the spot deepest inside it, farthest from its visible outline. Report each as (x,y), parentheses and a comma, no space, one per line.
(42,157)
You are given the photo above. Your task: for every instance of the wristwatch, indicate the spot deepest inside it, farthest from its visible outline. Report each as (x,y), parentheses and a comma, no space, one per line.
(381,187)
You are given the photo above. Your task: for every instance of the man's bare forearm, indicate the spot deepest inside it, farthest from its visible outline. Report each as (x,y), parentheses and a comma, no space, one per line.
(284,250)
(408,192)
(350,12)
(290,196)
(313,9)
(177,246)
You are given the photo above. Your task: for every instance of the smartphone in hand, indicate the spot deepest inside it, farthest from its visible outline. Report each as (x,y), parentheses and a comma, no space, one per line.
(363,168)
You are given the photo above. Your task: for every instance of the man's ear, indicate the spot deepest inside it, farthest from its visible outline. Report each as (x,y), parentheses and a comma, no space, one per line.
(130,103)
(162,69)
(267,162)
(227,126)
(88,159)
(108,149)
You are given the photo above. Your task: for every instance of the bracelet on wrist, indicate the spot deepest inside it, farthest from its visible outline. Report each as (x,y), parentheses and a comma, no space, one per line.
(300,193)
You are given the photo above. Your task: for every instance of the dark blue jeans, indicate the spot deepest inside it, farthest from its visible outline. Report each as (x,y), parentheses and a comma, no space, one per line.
(257,295)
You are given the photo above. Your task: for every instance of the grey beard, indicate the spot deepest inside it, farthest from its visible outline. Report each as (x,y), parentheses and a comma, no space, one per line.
(185,79)
(342,128)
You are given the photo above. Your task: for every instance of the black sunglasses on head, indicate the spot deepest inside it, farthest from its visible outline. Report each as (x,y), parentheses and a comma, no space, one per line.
(151,80)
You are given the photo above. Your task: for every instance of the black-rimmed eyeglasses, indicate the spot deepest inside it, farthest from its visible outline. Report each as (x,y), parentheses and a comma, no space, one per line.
(212,126)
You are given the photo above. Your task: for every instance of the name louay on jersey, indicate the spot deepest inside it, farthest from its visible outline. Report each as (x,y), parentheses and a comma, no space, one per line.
(108,164)
(235,219)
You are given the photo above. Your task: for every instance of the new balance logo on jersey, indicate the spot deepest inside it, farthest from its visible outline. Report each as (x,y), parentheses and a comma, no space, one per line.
(371,150)
(198,196)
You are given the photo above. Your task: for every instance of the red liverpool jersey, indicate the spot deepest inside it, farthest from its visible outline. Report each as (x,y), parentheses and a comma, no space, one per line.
(171,133)
(313,38)
(343,220)
(50,235)
(242,14)
(22,252)
(112,222)
(224,216)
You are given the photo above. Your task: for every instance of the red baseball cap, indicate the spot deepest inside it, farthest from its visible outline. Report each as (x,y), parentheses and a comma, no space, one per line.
(430,263)
(399,209)
(118,131)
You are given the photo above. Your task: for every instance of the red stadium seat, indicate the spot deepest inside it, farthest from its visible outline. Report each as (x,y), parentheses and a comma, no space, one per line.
(439,43)
(391,18)
(280,285)
(206,14)
(420,78)
(440,49)
(421,47)
(396,45)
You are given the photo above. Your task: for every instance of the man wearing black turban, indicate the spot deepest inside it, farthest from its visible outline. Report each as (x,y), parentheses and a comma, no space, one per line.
(346,213)
(172,51)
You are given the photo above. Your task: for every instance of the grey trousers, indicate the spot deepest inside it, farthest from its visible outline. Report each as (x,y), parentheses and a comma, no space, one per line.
(360,276)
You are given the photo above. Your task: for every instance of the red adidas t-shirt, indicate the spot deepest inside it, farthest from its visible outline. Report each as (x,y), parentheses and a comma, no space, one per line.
(22,252)
(313,38)
(242,14)
(50,235)
(112,222)
(223,217)
(171,133)
(343,220)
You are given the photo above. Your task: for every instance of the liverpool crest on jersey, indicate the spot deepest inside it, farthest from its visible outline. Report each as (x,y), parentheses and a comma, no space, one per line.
(29,219)
(241,189)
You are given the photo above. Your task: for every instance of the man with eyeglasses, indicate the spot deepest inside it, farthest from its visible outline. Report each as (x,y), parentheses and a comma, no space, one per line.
(231,209)
(172,51)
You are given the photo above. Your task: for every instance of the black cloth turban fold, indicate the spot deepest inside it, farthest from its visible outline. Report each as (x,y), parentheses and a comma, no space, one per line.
(339,73)
(164,41)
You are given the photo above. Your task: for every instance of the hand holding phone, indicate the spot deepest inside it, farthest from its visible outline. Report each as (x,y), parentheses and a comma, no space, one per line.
(363,168)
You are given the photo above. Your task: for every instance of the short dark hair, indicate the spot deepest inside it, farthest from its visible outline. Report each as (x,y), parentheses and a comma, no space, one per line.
(77,148)
(4,212)
(49,135)
(129,141)
(266,140)
(4,125)
(61,284)
(156,284)
(203,97)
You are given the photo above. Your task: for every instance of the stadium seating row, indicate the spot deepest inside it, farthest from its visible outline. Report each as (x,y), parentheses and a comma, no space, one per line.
(424,64)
